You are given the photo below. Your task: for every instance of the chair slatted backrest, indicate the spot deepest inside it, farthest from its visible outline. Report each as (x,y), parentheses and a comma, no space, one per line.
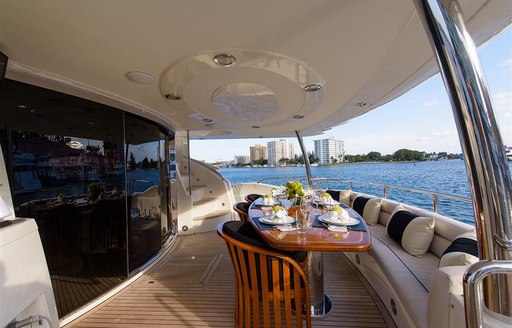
(242,209)
(252,197)
(270,286)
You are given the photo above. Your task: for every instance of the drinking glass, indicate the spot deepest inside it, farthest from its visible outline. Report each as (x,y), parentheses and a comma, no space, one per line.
(302,218)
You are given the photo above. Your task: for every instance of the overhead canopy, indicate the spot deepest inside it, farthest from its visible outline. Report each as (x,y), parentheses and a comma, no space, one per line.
(231,68)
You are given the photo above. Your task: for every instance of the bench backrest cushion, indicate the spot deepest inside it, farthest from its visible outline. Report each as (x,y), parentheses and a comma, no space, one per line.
(369,209)
(342,196)
(413,232)
(462,251)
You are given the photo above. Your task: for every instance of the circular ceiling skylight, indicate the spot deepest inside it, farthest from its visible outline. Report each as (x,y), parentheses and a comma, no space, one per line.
(245,101)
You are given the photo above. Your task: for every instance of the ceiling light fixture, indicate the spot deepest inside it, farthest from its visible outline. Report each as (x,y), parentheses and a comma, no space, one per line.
(22,107)
(140,77)
(74,144)
(172,96)
(224,60)
(312,87)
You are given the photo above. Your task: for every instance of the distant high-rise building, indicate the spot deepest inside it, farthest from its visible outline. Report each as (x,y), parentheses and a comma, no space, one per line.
(278,150)
(241,159)
(258,152)
(325,149)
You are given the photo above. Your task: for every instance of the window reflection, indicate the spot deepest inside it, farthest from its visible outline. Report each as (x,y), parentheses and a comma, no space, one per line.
(92,194)
(144,188)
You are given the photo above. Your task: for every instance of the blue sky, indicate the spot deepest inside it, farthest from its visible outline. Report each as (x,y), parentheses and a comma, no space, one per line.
(422,119)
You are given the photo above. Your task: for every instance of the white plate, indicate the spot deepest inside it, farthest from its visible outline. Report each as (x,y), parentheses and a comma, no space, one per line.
(269,220)
(349,222)
(264,205)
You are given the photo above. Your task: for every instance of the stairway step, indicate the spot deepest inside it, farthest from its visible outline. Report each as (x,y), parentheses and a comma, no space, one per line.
(212,215)
(204,201)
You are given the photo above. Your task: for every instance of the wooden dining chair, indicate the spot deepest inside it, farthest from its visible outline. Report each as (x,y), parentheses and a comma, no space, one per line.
(242,209)
(252,197)
(270,285)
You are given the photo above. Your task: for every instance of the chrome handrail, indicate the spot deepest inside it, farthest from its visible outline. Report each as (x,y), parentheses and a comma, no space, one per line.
(473,278)
(385,187)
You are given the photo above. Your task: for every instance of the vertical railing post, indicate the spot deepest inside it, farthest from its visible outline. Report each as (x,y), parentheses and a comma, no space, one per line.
(306,158)
(484,152)
(435,203)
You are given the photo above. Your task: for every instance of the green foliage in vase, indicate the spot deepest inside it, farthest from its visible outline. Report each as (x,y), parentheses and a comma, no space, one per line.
(294,190)
(94,189)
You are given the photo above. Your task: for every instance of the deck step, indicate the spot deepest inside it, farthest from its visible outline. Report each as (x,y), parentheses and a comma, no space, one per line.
(204,201)
(212,215)
(198,192)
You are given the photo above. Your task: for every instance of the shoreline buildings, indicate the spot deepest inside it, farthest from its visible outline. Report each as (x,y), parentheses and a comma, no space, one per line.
(278,150)
(258,153)
(328,150)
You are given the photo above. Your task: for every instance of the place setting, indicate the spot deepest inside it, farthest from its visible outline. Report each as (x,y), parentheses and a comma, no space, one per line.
(338,219)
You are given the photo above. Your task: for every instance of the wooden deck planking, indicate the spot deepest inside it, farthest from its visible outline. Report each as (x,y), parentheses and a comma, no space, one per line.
(193,286)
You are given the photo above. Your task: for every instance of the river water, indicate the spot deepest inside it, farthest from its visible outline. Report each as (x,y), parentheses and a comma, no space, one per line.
(447,177)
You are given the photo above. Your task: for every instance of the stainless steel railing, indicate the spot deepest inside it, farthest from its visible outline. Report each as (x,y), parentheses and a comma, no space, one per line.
(326,183)
(473,278)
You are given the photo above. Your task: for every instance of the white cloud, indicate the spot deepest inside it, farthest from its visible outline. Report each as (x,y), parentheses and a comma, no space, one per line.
(507,63)
(441,133)
(431,103)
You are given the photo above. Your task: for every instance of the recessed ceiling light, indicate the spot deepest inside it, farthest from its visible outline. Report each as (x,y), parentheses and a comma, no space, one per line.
(224,60)
(22,107)
(312,87)
(172,96)
(140,77)
(298,117)
(361,104)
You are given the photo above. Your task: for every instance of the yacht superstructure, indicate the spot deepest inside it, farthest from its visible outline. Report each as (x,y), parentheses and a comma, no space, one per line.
(102,99)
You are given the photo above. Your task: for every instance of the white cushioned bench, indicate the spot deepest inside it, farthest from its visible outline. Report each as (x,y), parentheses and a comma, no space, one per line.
(414,290)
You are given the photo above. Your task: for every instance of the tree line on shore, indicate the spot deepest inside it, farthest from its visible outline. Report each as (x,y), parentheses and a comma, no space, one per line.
(400,155)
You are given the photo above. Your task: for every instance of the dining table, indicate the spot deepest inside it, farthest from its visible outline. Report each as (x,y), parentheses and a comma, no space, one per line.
(316,240)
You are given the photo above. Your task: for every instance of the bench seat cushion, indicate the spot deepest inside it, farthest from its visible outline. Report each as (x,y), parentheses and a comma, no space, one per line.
(420,268)
(412,295)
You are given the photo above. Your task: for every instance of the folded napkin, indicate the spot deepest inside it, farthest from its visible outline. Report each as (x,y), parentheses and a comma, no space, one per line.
(286,228)
(279,216)
(336,228)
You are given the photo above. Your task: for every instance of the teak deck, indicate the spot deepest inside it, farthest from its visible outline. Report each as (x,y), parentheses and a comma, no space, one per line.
(193,286)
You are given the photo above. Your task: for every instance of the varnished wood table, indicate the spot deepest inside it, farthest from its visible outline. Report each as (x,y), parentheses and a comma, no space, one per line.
(315,241)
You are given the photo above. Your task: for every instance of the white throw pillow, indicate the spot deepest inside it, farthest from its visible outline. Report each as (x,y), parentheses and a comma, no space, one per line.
(413,232)
(462,251)
(372,210)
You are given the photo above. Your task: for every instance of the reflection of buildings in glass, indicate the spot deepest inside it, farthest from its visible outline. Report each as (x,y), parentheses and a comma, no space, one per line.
(113,153)
(24,170)
(46,161)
